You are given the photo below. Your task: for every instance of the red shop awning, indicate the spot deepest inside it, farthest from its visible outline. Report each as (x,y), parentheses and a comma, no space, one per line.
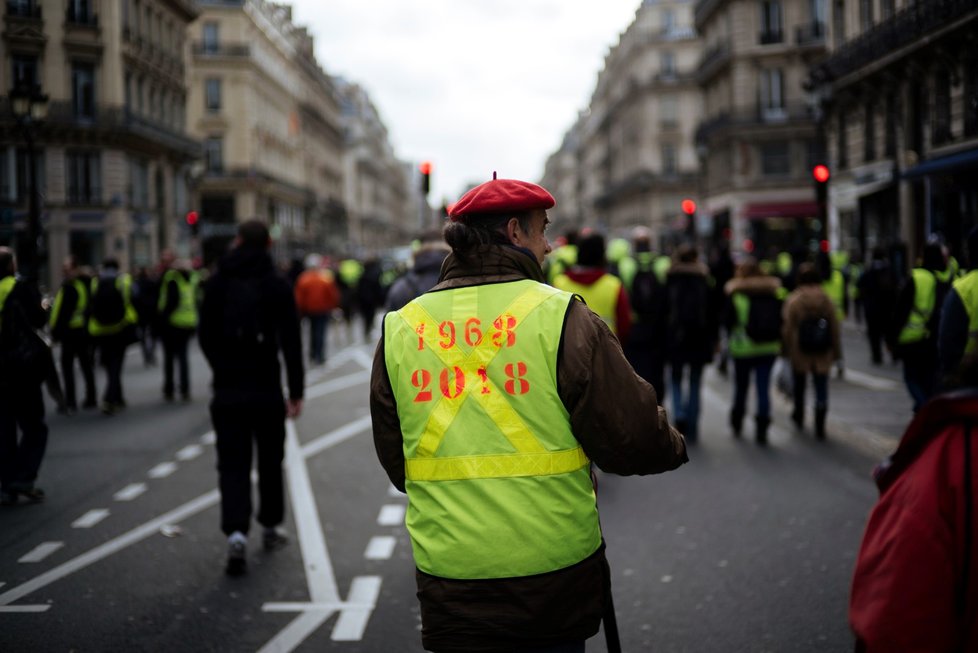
(781,210)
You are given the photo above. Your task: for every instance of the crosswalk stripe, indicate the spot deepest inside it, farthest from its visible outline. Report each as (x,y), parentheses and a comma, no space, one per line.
(41,551)
(381,547)
(391,515)
(90,518)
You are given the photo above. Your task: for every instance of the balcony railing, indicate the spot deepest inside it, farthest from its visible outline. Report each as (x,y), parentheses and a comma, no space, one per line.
(767,37)
(758,116)
(24,9)
(713,60)
(75,17)
(810,34)
(909,25)
(200,48)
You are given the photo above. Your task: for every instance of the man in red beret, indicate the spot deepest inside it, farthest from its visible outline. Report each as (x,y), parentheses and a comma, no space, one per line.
(491,395)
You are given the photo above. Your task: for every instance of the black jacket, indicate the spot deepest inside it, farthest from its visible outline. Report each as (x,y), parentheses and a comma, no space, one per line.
(255,374)
(688,343)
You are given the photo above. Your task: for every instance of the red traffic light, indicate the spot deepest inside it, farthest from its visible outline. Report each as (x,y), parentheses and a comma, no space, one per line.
(192,218)
(688,206)
(821,173)
(425,167)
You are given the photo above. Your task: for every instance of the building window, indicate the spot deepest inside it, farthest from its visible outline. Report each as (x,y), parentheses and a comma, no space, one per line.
(775,159)
(865,15)
(140,89)
(212,94)
(210,38)
(770,21)
(214,154)
(84,177)
(139,183)
(816,9)
(869,133)
(669,161)
(83,90)
(80,12)
(668,112)
(839,23)
(842,141)
(887,9)
(942,107)
(667,63)
(970,98)
(23,183)
(24,70)
(892,114)
(668,21)
(772,94)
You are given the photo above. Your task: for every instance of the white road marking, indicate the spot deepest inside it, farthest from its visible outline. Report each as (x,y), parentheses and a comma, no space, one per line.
(190,452)
(40,552)
(90,518)
(869,380)
(162,470)
(208,438)
(391,515)
(24,608)
(130,492)
(342,383)
(381,547)
(333,438)
(365,360)
(353,619)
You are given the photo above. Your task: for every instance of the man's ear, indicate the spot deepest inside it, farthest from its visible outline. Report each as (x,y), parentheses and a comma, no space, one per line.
(513,231)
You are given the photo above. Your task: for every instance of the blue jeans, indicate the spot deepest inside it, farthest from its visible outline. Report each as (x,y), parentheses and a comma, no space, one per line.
(761,366)
(686,405)
(317,337)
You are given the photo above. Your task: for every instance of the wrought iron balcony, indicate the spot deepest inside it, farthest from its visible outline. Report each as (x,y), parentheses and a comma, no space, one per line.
(810,34)
(712,62)
(24,9)
(909,25)
(75,17)
(768,37)
(221,49)
(758,116)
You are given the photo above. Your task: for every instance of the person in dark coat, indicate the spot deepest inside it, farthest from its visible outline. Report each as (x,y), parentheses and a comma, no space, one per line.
(422,276)
(692,335)
(247,317)
(370,294)
(21,401)
(878,291)
(722,270)
(956,336)
(69,326)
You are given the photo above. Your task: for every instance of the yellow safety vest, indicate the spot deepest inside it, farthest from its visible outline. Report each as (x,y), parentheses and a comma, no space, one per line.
(6,286)
(601,296)
(741,345)
(77,320)
(835,288)
(184,316)
(967,289)
(498,486)
(924,301)
(124,283)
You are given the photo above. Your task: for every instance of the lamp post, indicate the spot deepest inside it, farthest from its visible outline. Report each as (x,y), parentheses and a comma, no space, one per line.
(30,108)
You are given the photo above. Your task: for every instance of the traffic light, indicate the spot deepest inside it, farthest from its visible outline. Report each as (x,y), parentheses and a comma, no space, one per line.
(821,175)
(688,206)
(193,221)
(425,169)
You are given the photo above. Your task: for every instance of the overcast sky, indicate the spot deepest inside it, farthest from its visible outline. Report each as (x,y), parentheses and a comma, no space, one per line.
(472,86)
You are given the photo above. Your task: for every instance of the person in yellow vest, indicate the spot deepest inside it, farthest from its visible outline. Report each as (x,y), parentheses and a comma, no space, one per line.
(177,319)
(69,326)
(958,334)
(491,395)
(916,320)
(111,323)
(753,320)
(348,274)
(563,256)
(603,292)
(21,377)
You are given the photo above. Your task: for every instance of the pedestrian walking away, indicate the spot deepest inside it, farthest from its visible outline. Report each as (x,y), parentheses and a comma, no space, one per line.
(753,320)
(112,327)
(69,327)
(316,296)
(24,358)
(959,315)
(878,292)
(248,317)
(812,343)
(177,322)
(422,276)
(491,395)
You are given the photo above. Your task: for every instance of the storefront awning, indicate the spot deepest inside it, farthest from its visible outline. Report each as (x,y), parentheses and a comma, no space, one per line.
(943,164)
(781,210)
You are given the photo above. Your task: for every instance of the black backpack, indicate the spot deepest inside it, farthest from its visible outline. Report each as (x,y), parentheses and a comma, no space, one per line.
(108,305)
(644,296)
(764,318)
(688,305)
(240,317)
(814,335)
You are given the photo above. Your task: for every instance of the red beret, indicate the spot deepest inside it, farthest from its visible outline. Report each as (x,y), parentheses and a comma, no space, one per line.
(500,196)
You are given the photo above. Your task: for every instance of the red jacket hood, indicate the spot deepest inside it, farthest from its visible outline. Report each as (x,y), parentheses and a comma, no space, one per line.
(585,276)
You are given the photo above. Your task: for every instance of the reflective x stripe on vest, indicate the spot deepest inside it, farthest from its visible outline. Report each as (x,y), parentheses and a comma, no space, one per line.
(967,289)
(498,486)
(184,316)
(741,345)
(601,296)
(6,285)
(924,299)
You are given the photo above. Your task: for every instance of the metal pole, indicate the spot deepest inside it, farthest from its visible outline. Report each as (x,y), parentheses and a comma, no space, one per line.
(29,250)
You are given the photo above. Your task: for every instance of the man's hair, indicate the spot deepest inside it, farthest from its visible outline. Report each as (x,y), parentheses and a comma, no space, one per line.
(7,262)
(253,233)
(687,253)
(590,250)
(808,274)
(470,232)
(112,263)
(933,257)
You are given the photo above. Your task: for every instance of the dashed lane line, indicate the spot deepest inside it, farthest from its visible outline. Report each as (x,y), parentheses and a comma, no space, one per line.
(162,470)
(40,552)
(130,492)
(190,452)
(869,381)
(208,438)
(341,383)
(380,547)
(90,518)
(391,515)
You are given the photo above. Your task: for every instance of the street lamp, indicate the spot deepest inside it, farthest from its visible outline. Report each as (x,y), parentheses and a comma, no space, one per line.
(30,108)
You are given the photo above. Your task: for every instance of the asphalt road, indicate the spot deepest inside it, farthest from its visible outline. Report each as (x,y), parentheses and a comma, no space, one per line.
(743,549)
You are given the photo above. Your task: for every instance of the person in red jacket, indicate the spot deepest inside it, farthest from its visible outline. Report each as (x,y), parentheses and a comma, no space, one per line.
(915,586)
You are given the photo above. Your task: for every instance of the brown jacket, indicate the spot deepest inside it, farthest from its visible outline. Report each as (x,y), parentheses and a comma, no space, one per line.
(615,417)
(806,302)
